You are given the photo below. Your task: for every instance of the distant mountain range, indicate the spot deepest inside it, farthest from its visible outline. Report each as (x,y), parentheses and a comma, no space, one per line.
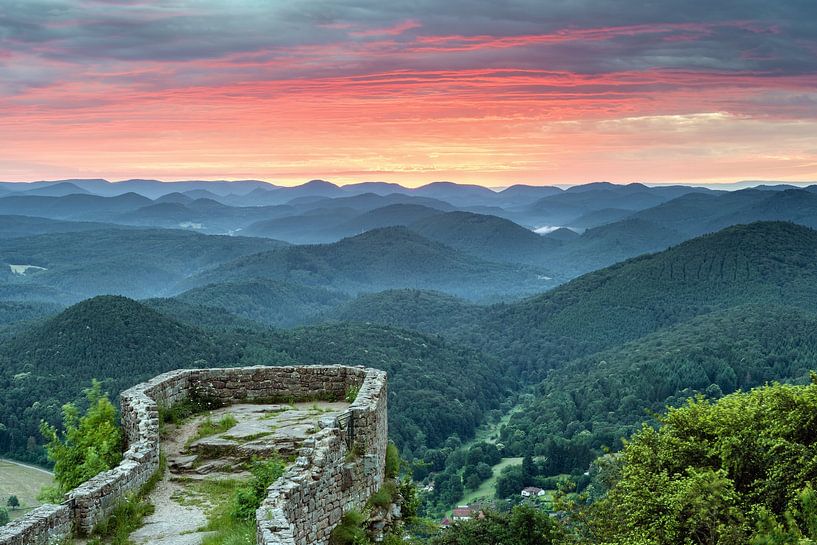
(60,248)
(648,327)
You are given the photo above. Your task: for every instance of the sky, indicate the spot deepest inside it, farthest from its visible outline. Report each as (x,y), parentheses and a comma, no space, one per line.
(491,92)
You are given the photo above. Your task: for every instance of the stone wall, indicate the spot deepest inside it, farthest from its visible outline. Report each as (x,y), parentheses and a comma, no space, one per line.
(337,470)
(44,525)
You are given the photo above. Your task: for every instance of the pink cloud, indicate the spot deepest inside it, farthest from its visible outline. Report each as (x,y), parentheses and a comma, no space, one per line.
(394,30)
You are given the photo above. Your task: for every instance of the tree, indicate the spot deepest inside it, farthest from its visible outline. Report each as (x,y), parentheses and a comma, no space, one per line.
(524,525)
(716,470)
(4,516)
(13,502)
(90,443)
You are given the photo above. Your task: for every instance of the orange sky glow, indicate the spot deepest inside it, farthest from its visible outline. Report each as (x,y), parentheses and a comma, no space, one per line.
(410,100)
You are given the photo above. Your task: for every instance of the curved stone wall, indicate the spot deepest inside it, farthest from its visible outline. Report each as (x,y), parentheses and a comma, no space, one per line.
(337,470)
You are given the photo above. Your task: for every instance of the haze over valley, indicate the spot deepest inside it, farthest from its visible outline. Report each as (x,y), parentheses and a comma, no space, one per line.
(408,273)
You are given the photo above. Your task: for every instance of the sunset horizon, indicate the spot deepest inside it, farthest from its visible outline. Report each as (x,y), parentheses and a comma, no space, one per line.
(547,94)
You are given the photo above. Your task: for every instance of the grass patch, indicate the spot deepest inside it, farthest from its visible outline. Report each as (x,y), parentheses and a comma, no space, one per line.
(210,427)
(213,496)
(314,409)
(25,483)
(268,415)
(126,517)
(179,412)
(385,496)
(231,516)
(355,452)
(248,438)
(487,490)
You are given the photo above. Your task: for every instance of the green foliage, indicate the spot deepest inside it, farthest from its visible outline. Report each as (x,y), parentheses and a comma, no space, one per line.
(799,526)
(524,525)
(385,496)
(4,516)
(594,401)
(126,517)
(248,498)
(351,393)
(350,530)
(392,461)
(271,302)
(208,427)
(411,499)
(13,502)
(715,470)
(90,444)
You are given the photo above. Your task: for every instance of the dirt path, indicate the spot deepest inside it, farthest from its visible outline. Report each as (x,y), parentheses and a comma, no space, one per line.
(172,523)
(181,509)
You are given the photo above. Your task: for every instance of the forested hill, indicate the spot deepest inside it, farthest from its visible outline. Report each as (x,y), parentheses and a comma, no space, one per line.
(436,388)
(428,311)
(596,400)
(380,259)
(763,263)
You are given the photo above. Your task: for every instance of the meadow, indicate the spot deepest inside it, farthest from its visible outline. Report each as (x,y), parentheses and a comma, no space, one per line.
(23,481)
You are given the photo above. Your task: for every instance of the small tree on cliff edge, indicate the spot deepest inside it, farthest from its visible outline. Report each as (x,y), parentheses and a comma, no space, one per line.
(90,443)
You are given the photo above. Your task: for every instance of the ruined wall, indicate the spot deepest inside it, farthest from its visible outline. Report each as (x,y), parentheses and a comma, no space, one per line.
(44,525)
(338,469)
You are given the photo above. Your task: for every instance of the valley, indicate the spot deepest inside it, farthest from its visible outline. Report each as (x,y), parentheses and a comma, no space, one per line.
(516,360)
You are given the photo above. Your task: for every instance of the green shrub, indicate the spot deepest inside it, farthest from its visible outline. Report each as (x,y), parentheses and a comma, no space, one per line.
(350,530)
(385,496)
(351,393)
(392,461)
(90,444)
(411,499)
(248,498)
(127,516)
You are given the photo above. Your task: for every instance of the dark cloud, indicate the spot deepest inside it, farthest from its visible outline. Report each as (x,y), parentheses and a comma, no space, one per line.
(777,31)
(176,43)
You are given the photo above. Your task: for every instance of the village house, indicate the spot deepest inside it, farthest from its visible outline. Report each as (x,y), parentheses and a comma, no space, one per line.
(532,492)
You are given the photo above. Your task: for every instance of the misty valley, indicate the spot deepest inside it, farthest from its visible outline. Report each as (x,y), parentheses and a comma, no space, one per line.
(520,359)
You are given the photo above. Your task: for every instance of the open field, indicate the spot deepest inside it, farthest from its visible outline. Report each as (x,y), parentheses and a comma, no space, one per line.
(24,482)
(488,488)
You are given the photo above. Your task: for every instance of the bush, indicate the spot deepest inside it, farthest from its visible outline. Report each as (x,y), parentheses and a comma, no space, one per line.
(411,500)
(248,498)
(126,517)
(350,530)
(4,516)
(351,394)
(392,461)
(385,496)
(90,444)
